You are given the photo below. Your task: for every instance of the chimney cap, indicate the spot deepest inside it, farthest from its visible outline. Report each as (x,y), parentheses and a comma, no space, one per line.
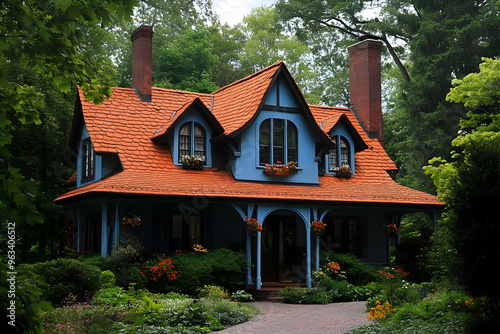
(142,31)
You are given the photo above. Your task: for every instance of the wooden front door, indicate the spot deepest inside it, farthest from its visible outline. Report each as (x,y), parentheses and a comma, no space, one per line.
(279,250)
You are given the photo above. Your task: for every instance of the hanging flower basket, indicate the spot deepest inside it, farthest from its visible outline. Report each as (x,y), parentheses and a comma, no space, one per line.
(281,169)
(391,230)
(131,220)
(192,162)
(252,225)
(343,172)
(318,227)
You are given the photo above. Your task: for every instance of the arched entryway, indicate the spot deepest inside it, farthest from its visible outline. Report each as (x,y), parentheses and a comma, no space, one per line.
(283,247)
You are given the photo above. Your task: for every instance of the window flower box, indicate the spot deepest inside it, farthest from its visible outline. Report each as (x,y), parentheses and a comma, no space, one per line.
(281,169)
(343,172)
(192,162)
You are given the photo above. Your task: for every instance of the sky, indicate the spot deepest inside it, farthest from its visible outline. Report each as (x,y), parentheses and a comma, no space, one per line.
(233,11)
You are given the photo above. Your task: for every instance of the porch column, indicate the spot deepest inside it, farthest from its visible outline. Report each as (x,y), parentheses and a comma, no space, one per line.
(77,216)
(104,229)
(116,229)
(435,218)
(317,252)
(249,258)
(308,256)
(259,242)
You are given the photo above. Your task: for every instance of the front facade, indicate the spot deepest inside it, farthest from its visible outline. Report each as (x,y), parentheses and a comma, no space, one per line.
(195,166)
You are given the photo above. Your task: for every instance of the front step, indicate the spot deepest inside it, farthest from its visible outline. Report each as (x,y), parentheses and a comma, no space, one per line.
(271,291)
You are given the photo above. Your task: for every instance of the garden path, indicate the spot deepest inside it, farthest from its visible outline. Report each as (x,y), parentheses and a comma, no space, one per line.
(278,317)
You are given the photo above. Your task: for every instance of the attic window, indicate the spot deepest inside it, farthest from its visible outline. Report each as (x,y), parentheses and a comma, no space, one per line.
(192,138)
(277,141)
(88,160)
(339,156)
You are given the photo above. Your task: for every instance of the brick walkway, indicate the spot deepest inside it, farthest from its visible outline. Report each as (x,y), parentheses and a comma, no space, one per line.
(278,317)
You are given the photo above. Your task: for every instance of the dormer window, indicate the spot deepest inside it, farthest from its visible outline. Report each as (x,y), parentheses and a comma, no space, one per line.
(88,160)
(277,142)
(192,138)
(339,156)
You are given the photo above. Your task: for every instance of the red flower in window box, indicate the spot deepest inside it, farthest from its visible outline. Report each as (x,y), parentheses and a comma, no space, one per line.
(343,171)
(281,169)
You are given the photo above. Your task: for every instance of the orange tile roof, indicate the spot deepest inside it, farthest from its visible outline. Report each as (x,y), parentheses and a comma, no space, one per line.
(126,126)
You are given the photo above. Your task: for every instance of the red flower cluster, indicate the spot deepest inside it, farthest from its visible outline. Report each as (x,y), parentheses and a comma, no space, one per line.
(131,220)
(391,230)
(252,225)
(392,273)
(318,227)
(155,269)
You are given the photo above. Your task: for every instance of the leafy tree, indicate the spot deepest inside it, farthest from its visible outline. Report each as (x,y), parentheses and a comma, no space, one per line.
(46,48)
(470,186)
(267,43)
(430,42)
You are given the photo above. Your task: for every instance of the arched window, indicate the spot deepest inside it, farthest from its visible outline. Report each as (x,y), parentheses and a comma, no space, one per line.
(343,152)
(192,141)
(278,142)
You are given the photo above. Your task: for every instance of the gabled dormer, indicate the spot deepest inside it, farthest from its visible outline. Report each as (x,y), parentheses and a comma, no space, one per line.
(277,136)
(346,142)
(188,133)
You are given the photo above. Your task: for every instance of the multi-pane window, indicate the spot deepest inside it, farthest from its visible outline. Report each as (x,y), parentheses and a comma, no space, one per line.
(185,140)
(343,234)
(343,152)
(88,160)
(192,141)
(186,231)
(278,143)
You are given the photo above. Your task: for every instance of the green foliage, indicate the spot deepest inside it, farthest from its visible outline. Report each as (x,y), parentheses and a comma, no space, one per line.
(81,318)
(221,267)
(108,279)
(241,296)
(325,290)
(356,271)
(58,279)
(436,314)
(227,312)
(96,260)
(213,292)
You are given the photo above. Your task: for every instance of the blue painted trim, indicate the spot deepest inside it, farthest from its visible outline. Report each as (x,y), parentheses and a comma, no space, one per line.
(192,117)
(104,229)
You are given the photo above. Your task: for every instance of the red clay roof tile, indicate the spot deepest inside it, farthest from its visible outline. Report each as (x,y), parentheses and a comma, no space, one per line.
(126,126)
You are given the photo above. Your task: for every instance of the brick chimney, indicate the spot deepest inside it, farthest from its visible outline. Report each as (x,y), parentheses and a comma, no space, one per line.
(365,87)
(142,61)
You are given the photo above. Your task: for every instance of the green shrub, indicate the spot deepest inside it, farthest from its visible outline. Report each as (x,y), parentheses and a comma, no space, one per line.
(293,295)
(129,274)
(356,271)
(108,279)
(96,260)
(81,318)
(123,254)
(213,292)
(221,267)
(316,296)
(227,312)
(241,296)
(58,278)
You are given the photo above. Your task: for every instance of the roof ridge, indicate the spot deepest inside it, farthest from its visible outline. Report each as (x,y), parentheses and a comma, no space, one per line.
(248,77)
